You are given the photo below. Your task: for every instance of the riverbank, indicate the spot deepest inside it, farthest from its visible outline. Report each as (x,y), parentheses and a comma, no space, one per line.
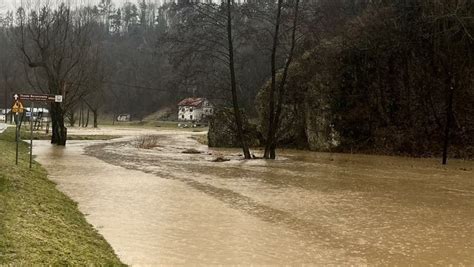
(40,225)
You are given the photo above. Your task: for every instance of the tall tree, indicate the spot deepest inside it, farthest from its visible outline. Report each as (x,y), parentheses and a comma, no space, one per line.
(453,44)
(116,21)
(276,102)
(203,38)
(56,45)
(9,68)
(235,102)
(105,9)
(129,15)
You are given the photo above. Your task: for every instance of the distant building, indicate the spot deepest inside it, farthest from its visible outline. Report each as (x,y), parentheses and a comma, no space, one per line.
(124,117)
(4,113)
(39,114)
(194,109)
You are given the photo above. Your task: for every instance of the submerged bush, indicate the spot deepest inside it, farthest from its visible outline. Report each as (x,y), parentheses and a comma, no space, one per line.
(147,141)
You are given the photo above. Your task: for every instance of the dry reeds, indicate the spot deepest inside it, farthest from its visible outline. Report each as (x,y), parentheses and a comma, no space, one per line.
(147,141)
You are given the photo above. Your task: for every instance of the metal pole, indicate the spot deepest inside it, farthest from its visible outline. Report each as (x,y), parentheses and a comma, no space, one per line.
(17,136)
(31,133)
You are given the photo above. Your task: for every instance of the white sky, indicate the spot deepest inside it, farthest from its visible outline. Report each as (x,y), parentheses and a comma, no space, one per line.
(14,4)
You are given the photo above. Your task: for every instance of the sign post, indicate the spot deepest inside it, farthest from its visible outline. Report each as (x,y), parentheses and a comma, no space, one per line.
(31,132)
(18,108)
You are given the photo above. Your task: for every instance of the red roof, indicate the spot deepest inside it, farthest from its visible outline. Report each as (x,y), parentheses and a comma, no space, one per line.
(193,102)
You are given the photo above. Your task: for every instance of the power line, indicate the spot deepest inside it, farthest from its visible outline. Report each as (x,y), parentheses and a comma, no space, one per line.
(136,86)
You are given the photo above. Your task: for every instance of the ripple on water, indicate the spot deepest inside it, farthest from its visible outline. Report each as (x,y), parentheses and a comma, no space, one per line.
(163,206)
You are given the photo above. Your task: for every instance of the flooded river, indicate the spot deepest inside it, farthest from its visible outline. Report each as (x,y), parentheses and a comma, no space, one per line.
(160,206)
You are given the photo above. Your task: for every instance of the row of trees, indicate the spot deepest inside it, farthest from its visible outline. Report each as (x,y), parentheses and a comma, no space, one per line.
(61,50)
(392,74)
(395,76)
(141,54)
(411,65)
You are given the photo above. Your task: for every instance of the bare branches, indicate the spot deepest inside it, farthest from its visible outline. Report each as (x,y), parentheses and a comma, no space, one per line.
(57,46)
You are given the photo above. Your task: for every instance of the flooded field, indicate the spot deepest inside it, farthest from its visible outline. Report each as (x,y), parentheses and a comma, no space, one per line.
(161,206)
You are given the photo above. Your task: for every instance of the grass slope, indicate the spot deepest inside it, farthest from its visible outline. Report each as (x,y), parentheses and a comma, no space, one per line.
(38,224)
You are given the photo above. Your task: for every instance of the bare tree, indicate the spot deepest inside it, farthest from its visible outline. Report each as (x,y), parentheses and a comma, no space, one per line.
(275,108)
(96,98)
(453,41)
(5,69)
(235,103)
(207,52)
(56,45)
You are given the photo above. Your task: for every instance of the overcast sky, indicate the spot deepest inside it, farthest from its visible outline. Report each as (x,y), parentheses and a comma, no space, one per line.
(14,4)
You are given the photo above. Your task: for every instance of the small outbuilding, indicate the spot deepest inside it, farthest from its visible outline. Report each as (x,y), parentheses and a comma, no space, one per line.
(4,113)
(124,117)
(194,110)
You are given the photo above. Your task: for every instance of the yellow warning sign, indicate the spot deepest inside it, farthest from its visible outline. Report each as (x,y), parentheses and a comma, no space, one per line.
(17,107)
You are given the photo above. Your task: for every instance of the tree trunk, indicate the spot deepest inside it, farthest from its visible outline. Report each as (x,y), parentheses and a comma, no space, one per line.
(71,116)
(59,131)
(271,97)
(274,119)
(80,116)
(281,89)
(449,117)
(95,113)
(87,118)
(81,120)
(237,115)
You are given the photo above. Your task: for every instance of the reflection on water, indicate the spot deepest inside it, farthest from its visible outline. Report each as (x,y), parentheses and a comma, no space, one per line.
(161,206)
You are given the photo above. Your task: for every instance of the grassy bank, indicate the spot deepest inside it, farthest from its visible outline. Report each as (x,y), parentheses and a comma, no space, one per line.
(38,224)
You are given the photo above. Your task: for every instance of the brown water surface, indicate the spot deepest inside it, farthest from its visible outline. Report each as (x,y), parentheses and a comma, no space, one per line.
(160,206)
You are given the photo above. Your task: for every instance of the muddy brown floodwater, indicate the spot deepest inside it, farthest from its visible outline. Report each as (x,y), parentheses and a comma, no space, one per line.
(160,206)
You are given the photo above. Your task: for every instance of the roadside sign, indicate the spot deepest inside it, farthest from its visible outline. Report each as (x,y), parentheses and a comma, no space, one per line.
(41,97)
(17,107)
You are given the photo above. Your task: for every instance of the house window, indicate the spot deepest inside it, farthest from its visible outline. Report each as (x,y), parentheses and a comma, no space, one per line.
(190,117)
(191,110)
(182,116)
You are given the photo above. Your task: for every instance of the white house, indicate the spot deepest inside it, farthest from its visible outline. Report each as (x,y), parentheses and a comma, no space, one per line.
(194,109)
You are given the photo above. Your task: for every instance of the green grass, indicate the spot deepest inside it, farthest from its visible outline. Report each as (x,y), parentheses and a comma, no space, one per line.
(39,225)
